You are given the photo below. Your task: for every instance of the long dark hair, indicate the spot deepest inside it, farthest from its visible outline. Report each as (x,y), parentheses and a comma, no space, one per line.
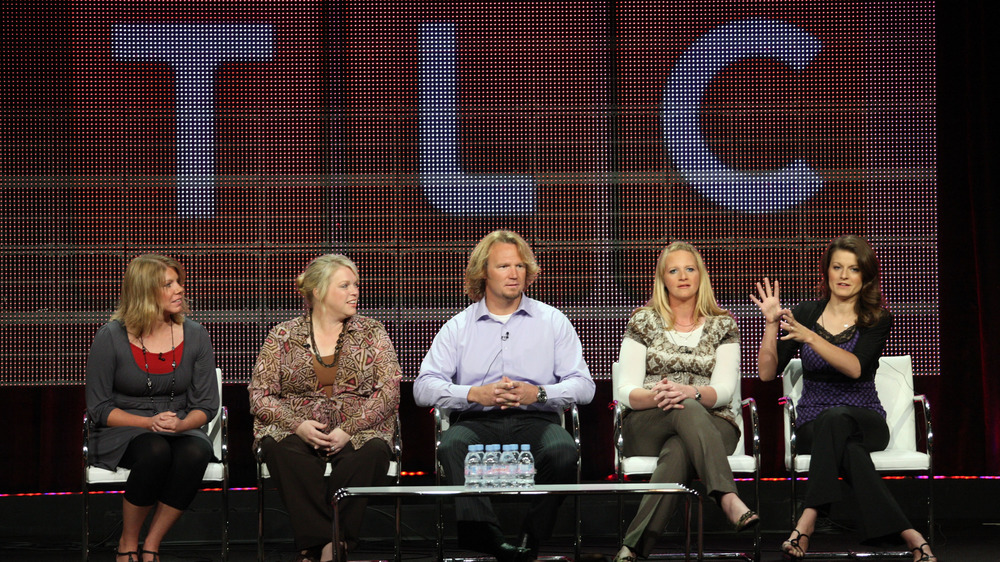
(870,306)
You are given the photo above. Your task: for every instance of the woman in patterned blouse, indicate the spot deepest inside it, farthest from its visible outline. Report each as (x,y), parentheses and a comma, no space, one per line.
(325,389)
(679,367)
(840,338)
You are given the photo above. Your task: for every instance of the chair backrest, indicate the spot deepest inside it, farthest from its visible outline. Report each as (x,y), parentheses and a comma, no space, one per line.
(214,426)
(894,383)
(735,404)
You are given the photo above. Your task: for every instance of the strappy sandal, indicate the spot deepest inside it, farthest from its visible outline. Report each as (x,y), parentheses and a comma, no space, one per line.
(156,555)
(624,555)
(747,521)
(924,555)
(791,548)
(129,554)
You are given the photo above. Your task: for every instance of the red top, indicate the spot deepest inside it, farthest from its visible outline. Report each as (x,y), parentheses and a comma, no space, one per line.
(159,363)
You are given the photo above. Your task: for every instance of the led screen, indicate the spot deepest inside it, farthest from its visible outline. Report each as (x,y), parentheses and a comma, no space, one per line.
(245,138)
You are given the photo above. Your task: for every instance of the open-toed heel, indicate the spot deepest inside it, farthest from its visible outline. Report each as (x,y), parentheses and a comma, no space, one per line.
(791,548)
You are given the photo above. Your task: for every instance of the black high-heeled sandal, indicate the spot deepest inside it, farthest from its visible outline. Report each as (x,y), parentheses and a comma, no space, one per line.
(793,543)
(129,554)
(156,555)
(924,555)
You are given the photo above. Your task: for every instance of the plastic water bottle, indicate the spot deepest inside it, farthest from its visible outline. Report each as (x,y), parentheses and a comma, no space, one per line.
(525,468)
(490,469)
(508,467)
(474,467)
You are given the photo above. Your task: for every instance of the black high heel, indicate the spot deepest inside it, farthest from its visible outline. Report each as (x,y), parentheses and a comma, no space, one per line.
(791,545)
(156,555)
(129,554)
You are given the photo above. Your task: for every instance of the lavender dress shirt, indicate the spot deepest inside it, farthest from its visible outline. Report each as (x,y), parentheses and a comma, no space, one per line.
(537,344)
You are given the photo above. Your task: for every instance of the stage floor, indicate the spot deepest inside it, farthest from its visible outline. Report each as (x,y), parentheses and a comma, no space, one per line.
(966,543)
(48,527)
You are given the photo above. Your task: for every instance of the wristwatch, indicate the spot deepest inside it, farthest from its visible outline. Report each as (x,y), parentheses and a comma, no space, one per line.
(542,396)
(697,394)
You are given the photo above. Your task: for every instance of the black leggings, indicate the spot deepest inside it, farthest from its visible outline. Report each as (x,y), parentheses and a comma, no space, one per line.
(165,467)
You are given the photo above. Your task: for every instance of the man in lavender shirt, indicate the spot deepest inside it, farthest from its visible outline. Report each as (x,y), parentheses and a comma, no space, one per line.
(506,366)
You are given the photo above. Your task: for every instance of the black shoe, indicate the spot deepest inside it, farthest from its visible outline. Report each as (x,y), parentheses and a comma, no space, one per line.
(507,552)
(529,542)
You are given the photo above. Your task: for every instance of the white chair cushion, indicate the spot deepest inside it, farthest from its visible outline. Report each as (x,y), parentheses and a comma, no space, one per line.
(393,470)
(645,465)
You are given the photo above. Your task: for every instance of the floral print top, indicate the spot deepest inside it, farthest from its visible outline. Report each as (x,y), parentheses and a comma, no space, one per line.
(365,398)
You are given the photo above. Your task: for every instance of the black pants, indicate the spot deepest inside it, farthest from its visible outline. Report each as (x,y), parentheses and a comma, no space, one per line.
(840,440)
(551,445)
(165,467)
(298,471)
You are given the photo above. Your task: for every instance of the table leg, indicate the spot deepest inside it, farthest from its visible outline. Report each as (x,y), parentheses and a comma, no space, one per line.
(336,527)
(398,556)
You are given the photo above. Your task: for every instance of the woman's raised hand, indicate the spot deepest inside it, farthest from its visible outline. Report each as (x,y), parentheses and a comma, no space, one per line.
(769,301)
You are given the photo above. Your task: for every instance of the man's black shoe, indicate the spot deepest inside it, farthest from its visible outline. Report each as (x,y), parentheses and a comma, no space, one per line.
(529,542)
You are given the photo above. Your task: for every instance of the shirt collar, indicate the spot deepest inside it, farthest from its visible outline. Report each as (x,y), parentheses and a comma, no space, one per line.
(528,307)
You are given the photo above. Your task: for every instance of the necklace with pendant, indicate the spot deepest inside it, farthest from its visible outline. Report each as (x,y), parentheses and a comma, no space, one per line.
(336,348)
(173,367)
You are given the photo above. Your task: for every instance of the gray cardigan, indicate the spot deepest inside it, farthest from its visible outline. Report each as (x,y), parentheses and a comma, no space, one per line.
(114,380)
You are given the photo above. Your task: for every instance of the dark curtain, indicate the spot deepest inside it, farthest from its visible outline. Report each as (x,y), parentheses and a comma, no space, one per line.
(966,409)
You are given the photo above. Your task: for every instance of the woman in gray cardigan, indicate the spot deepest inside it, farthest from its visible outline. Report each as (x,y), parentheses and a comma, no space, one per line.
(151,386)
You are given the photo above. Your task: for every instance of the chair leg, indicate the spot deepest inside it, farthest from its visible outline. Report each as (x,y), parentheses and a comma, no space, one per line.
(85,543)
(930,509)
(260,521)
(792,501)
(225,521)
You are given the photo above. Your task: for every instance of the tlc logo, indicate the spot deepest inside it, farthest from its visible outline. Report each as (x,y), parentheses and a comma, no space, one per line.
(195,51)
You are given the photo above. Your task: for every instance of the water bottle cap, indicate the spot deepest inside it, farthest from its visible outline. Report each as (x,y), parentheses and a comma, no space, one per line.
(475,448)
(493,447)
(510,447)
(525,447)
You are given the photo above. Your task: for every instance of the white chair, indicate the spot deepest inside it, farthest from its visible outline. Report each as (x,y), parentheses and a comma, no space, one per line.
(745,459)
(894,382)
(218,432)
(442,421)
(263,473)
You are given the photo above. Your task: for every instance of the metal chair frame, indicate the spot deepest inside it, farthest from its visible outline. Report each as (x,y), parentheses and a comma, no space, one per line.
(441,424)
(894,378)
(218,432)
(742,461)
(395,470)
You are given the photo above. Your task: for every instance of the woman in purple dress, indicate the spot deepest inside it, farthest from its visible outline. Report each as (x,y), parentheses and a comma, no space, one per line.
(840,338)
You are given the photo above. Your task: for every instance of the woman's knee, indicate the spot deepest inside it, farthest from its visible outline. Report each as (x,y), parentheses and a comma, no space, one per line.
(837,416)
(150,448)
(194,451)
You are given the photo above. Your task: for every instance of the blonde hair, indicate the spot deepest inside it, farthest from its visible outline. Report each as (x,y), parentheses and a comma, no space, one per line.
(475,271)
(659,302)
(316,277)
(139,304)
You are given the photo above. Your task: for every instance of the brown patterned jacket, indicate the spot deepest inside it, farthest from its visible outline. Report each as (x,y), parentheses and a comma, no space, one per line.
(284,393)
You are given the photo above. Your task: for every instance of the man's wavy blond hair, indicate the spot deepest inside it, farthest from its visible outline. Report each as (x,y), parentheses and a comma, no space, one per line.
(475,272)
